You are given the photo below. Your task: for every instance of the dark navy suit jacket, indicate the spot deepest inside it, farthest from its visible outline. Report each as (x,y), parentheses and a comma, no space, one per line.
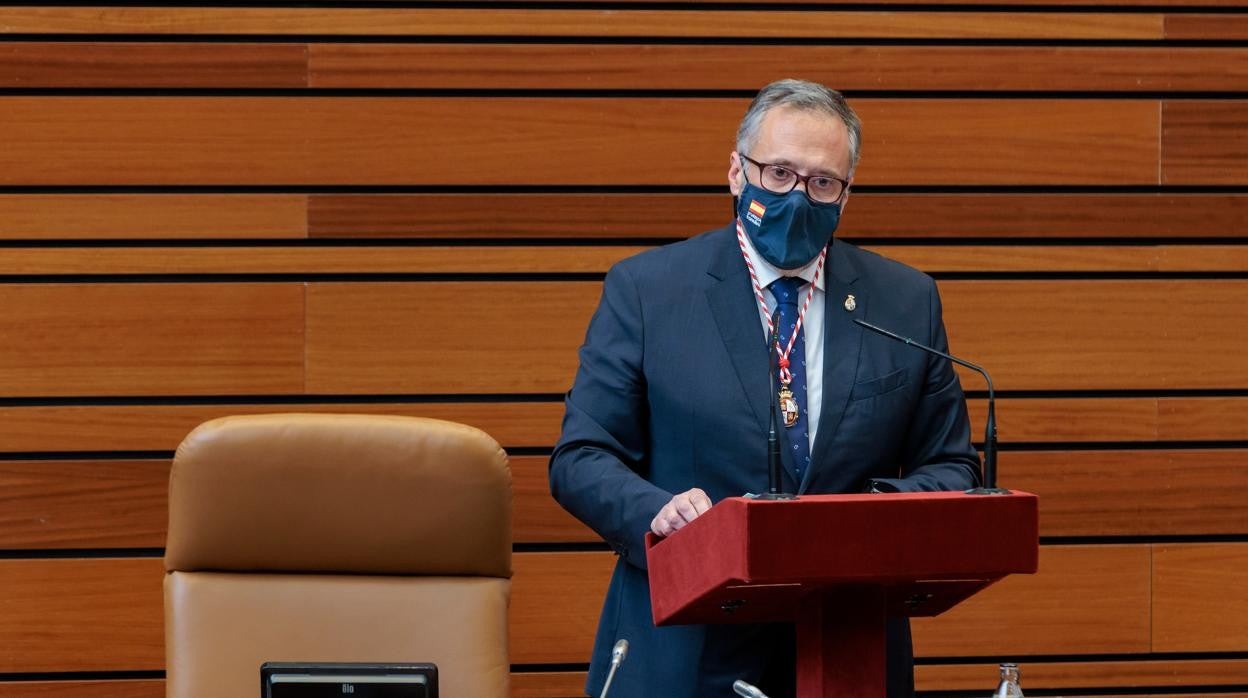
(672,394)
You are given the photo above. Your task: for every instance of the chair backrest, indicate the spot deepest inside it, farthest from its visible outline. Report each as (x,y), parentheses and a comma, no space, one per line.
(303,537)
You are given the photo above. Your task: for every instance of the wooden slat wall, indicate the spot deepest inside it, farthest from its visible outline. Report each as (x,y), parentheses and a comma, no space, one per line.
(209,211)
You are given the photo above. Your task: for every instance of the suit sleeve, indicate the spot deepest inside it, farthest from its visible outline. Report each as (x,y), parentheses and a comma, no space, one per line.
(598,467)
(937,452)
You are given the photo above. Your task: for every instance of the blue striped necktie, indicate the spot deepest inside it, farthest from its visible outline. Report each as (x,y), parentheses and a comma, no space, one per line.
(785,290)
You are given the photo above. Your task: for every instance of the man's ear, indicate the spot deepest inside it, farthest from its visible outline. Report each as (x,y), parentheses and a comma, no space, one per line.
(735,173)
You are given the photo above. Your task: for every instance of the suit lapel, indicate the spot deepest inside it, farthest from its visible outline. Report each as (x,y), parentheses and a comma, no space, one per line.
(842,341)
(735,310)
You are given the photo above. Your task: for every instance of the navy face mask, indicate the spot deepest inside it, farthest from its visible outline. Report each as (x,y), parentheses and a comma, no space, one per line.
(788,230)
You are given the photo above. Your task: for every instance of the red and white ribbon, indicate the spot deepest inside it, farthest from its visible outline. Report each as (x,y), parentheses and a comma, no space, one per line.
(786,376)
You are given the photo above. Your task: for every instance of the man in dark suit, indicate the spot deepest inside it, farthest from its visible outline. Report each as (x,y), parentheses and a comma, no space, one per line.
(669,410)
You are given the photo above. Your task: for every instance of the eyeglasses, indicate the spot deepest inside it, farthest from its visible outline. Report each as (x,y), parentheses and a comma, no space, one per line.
(779,179)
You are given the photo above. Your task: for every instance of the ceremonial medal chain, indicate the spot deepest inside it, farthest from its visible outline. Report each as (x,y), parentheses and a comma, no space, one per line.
(788,404)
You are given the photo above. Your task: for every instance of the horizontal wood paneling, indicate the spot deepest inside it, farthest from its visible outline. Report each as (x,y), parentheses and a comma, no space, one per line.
(1090,599)
(536,516)
(625,66)
(105,614)
(570,684)
(452,337)
(162,427)
(869,215)
(1206,26)
(580,259)
(1200,600)
(327,260)
(1204,142)
(151,216)
(151,339)
(81,615)
(79,504)
(373,337)
(34,64)
(1091,674)
(1133,493)
(581,23)
(122,688)
(1100,334)
(82,504)
(536,424)
(543,632)
(1209,418)
(373,140)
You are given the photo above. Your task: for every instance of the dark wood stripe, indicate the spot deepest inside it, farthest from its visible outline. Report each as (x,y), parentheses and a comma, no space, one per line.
(718,67)
(1204,142)
(148,65)
(634,22)
(869,215)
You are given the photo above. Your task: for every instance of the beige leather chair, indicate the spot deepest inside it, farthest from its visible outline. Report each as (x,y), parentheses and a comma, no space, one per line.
(303,537)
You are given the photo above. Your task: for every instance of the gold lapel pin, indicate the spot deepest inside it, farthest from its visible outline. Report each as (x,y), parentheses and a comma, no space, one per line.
(850,303)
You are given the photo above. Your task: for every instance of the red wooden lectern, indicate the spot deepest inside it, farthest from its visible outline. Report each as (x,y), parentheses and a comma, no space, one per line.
(836,566)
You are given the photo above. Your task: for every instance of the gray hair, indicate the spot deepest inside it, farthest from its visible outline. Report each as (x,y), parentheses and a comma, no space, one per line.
(802,95)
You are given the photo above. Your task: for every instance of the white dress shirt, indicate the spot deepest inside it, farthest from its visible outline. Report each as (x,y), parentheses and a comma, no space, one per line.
(812,325)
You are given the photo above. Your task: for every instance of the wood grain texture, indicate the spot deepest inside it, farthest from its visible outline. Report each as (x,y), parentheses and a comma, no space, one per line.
(121,688)
(152,65)
(548,684)
(151,339)
(82,504)
(81,615)
(399,337)
(304,260)
(151,216)
(536,516)
(1206,26)
(1091,674)
(1204,142)
(1212,419)
(580,23)
(1085,334)
(542,632)
(1200,597)
(1091,599)
(581,259)
(105,614)
(1056,420)
(141,427)
(870,215)
(571,684)
(736,67)
(102,503)
(1134,493)
(384,141)
(373,337)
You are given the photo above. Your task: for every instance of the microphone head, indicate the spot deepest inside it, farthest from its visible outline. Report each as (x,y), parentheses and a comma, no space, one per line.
(747,690)
(619,651)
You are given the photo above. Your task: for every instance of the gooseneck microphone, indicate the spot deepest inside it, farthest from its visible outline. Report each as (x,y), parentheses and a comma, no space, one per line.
(990,429)
(618,653)
(747,690)
(774,477)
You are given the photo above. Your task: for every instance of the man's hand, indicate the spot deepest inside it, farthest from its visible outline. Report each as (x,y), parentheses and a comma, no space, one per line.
(682,509)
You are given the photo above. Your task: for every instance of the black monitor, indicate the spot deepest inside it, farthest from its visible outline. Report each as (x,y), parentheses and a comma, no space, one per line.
(356,680)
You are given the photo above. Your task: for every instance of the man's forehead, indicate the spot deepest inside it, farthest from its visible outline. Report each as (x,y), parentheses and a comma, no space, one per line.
(809,138)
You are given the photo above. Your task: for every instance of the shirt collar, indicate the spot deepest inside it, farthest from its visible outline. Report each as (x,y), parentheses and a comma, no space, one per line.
(767,273)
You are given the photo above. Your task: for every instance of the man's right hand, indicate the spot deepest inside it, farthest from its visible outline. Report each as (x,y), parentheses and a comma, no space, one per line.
(682,509)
